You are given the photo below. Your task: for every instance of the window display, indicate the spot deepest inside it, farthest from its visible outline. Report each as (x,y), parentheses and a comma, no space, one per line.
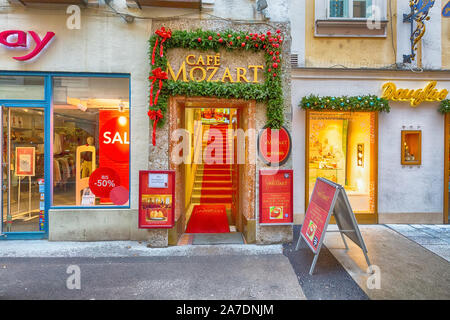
(411,147)
(341,148)
(91,141)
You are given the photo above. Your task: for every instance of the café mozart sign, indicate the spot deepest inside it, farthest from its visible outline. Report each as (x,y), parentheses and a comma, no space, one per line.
(414,96)
(208,67)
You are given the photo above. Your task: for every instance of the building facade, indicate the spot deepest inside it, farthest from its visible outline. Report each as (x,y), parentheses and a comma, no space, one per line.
(82,85)
(341,55)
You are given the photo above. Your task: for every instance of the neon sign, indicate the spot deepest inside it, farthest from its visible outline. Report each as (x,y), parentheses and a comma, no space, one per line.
(21,41)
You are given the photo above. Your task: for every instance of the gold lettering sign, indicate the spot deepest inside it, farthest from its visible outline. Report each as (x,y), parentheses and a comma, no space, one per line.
(207,68)
(416,97)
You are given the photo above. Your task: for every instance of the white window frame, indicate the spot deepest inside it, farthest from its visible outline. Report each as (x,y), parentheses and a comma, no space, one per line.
(322,10)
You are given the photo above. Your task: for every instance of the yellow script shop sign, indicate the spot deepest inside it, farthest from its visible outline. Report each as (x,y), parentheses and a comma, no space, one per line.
(429,93)
(208,68)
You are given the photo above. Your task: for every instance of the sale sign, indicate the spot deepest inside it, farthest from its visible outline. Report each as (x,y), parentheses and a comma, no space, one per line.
(317,214)
(274,146)
(114,146)
(103,180)
(156,199)
(276,197)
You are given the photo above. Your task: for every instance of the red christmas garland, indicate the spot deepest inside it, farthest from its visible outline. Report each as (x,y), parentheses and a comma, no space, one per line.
(155,115)
(164,35)
(158,74)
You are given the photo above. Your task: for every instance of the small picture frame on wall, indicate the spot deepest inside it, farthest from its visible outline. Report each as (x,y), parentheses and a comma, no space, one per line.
(411,147)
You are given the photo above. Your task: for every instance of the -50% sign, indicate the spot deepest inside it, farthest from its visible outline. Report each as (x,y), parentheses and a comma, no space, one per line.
(102,181)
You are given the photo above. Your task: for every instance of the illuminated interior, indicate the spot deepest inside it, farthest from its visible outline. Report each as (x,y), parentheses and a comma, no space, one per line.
(210,182)
(91,131)
(342,149)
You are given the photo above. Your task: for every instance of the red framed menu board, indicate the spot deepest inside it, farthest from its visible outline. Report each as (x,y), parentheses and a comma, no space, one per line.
(276,197)
(156,199)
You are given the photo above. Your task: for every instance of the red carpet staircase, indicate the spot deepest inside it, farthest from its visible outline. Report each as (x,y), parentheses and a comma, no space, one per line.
(213,180)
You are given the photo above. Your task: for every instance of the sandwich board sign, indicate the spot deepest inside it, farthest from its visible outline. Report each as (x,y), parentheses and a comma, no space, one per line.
(329,198)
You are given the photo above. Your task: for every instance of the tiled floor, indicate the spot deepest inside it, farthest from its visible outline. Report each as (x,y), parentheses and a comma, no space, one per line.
(435,238)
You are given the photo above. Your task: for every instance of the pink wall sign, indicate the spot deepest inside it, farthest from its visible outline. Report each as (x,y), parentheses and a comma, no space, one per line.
(19,39)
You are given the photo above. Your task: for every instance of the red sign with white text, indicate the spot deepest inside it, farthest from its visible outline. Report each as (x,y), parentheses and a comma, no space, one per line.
(19,39)
(317,213)
(274,146)
(114,145)
(156,199)
(276,197)
(103,180)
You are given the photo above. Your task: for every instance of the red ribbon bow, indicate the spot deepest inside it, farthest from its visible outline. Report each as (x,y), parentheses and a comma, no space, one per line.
(160,75)
(155,116)
(164,35)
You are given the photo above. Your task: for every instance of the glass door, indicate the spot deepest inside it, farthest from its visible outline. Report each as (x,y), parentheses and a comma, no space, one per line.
(22,161)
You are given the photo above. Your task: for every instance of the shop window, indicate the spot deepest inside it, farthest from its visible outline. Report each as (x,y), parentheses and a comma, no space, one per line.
(342,148)
(91,141)
(411,147)
(22,88)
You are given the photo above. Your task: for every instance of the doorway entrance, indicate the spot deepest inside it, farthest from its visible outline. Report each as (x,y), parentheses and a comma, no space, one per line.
(217,176)
(22,169)
(211,175)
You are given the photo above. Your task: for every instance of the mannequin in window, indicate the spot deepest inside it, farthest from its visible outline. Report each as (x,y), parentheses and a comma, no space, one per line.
(86,164)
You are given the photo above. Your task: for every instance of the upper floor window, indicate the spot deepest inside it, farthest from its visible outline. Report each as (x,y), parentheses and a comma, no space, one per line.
(349,9)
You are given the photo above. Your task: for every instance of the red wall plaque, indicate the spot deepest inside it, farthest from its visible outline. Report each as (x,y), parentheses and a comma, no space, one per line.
(276,197)
(317,213)
(156,199)
(274,150)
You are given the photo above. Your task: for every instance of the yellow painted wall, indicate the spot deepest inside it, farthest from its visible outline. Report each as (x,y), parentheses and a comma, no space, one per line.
(349,52)
(445,40)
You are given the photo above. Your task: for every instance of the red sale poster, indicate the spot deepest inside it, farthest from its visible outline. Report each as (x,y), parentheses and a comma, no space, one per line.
(114,145)
(316,217)
(275,197)
(156,199)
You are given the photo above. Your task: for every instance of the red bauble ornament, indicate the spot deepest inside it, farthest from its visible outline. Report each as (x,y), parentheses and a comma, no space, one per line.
(271,52)
(256,45)
(278,60)
(229,36)
(274,58)
(269,33)
(231,43)
(220,40)
(243,44)
(218,34)
(278,31)
(199,39)
(209,38)
(275,65)
(238,37)
(247,37)
(270,70)
(264,46)
(274,74)
(277,53)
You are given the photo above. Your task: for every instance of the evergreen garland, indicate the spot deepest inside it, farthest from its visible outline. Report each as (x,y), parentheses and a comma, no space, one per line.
(271,91)
(345,103)
(445,106)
